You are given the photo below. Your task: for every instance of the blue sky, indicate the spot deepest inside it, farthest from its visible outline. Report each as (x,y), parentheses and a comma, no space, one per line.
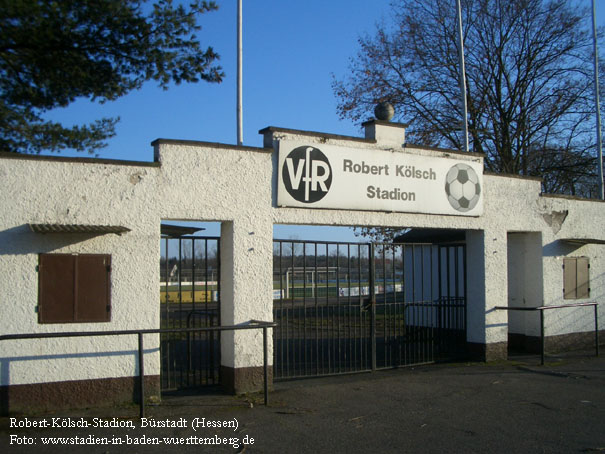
(291,50)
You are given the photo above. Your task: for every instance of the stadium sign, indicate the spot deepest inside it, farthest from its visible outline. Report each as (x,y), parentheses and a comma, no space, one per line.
(327,176)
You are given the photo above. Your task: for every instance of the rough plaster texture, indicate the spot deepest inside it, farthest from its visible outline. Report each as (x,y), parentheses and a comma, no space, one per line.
(385,134)
(582,221)
(232,186)
(76,193)
(196,181)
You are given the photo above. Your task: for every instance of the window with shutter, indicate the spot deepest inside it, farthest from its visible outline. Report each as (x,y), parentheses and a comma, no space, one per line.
(74,288)
(576,278)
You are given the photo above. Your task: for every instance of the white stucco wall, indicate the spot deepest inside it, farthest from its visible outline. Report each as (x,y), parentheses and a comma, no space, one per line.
(196,181)
(67,192)
(232,186)
(581,221)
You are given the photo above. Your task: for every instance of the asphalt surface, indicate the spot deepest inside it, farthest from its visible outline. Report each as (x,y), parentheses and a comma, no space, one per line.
(516,406)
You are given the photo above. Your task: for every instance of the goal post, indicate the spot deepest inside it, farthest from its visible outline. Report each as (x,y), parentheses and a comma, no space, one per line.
(303,277)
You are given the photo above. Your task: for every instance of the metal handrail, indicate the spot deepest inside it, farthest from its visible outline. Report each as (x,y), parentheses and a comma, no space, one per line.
(558,306)
(252,324)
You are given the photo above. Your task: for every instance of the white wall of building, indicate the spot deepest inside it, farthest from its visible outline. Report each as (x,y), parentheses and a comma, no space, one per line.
(236,186)
(68,192)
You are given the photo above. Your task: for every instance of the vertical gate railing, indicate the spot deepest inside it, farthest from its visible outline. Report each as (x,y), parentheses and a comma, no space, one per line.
(190,298)
(452,300)
(405,305)
(349,307)
(321,302)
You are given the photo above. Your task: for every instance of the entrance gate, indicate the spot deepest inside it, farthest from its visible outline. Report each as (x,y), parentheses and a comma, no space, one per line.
(189,298)
(348,307)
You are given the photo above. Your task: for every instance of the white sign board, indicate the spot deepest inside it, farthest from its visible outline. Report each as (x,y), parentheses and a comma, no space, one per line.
(327,176)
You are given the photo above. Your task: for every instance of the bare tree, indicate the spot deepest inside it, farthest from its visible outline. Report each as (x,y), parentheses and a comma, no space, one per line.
(529,79)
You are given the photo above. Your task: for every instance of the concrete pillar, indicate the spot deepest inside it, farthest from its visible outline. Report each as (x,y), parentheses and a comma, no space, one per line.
(246,294)
(486,289)
(385,133)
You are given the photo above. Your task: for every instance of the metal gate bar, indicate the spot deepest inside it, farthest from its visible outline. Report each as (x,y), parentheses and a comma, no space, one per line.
(350,307)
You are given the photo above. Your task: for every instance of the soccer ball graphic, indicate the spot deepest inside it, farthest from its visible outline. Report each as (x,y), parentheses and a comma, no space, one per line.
(462,187)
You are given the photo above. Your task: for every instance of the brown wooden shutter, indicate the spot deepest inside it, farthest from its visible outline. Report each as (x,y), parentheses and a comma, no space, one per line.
(56,296)
(576,278)
(582,278)
(92,288)
(74,288)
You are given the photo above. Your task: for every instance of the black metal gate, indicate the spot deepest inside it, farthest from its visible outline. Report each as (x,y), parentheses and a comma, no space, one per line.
(189,298)
(348,307)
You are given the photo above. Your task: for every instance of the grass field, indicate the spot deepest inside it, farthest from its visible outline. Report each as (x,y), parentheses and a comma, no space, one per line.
(203,293)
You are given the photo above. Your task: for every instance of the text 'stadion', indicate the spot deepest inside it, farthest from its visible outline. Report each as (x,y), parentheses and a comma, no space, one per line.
(307,174)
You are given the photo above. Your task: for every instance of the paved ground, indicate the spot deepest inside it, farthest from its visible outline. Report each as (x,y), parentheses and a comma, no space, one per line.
(510,407)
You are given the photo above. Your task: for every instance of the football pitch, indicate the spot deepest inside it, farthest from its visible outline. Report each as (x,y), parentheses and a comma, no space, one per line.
(201,293)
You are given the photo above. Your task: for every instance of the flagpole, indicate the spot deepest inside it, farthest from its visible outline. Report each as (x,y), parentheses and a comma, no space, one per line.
(597,104)
(462,77)
(240,132)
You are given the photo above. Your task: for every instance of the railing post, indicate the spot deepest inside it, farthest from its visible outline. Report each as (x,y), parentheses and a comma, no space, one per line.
(265,366)
(596,328)
(141,377)
(542,336)
(373,305)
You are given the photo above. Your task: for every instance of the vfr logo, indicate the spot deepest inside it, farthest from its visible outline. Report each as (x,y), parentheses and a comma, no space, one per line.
(307,174)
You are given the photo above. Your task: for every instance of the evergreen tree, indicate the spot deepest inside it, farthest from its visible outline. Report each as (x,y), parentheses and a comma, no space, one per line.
(53,52)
